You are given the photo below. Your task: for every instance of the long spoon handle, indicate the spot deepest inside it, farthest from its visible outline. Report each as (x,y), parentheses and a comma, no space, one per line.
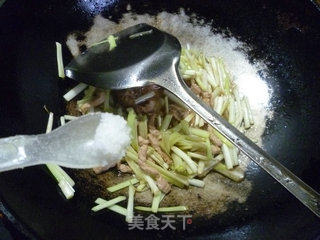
(308,196)
(14,153)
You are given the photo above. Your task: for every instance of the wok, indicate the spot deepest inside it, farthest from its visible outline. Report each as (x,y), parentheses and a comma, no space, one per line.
(284,34)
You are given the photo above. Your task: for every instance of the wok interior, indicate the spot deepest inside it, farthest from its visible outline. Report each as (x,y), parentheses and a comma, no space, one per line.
(284,35)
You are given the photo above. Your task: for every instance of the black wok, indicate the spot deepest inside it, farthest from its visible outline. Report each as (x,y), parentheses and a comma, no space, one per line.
(284,34)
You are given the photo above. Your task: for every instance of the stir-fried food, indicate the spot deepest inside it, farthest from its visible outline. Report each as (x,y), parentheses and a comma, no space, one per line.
(172,146)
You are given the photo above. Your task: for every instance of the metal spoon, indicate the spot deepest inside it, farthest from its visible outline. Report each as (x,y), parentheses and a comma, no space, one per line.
(145,55)
(71,145)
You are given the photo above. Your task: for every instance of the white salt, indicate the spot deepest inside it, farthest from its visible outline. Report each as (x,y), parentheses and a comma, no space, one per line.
(112,138)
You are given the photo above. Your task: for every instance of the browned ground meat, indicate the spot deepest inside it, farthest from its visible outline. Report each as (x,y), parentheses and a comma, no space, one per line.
(127,99)
(142,153)
(124,168)
(98,98)
(177,111)
(195,88)
(215,140)
(215,149)
(142,141)
(163,184)
(72,108)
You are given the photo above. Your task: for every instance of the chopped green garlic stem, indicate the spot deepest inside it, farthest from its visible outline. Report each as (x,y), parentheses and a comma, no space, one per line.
(135,168)
(170,138)
(196,182)
(62,121)
(239,115)
(67,177)
(129,215)
(88,95)
(174,99)
(122,185)
(195,138)
(175,179)
(231,110)
(155,202)
(209,75)
(141,187)
(199,132)
(143,128)
(189,117)
(157,157)
(66,189)
(201,122)
(59,174)
(163,209)
(159,121)
(55,171)
(159,161)
(234,156)
(166,104)
(105,204)
(197,156)
(153,186)
(224,106)
(216,92)
(166,122)
(219,104)
(118,209)
(227,156)
(75,91)
(132,123)
(200,167)
(222,138)
(211,165)
(178,163)
(162,196)
(69,117)
(184,127)
(189,170)
(190,72)
(249,110)
(50,123)
(209,150)
(196,121)
(235,175)
(100,201)
(227,81)
(144,97)
(200,83)
(111,40)
(132,156)
(186,158)
(245,114)
(131,150)
(64,181)
(60,61)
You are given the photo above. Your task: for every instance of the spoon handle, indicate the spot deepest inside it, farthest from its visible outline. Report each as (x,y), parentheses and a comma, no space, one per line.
(308,196)
(13,152)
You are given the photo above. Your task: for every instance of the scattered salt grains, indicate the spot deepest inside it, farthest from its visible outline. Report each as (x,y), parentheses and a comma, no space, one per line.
(198,35)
